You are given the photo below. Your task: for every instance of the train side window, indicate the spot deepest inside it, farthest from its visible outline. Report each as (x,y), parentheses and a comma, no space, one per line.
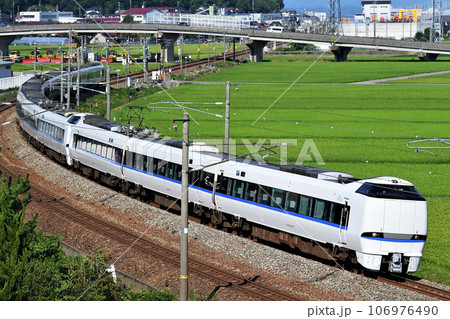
(104,150)
(88,145)
(99,149)
(177,172)
(129,158)
(138,161)
(144,162)
(292,201)
(93,146)
(207,180)
(277,198)
(150,164)
(264,194)
(251,192)
(170,170)
(319,209)
(117,155)
(194,177)
(109,152)
(223,185)
(162,165)
(60,134)
(84,143)
(332,213)
(155,166)
(238,188)
(306,204)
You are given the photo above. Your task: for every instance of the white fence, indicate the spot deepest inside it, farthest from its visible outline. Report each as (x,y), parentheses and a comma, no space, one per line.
(394,30)
(15,81)
(198,20)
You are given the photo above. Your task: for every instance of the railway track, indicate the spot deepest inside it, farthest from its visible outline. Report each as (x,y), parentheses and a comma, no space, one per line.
(218,276)
(121,81)
(407,283)
(6,105)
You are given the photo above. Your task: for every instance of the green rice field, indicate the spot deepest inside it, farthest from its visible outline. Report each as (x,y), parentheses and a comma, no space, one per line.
(362,130)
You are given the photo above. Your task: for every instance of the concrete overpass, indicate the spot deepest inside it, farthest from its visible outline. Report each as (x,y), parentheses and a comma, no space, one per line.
(254,39)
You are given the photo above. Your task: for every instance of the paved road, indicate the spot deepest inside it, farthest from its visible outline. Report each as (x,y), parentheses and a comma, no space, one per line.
(401,78)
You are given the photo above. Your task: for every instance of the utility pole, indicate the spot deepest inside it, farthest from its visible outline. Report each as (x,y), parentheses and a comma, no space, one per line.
(35,59)
(79,53)
(145,60)
(108,93)
(181,54)
(128,54)
(226,146)
(224,48)
(69,77)
(184,283)
(61,81)
(107,54)
(108,85)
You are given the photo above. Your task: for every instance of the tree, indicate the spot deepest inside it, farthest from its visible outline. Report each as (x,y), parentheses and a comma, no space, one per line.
(127,19)
(33,266)
(425,35)
(16,236)
(110,6)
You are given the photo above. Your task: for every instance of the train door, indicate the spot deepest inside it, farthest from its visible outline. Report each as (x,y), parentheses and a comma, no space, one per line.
(68,142)
(343,223)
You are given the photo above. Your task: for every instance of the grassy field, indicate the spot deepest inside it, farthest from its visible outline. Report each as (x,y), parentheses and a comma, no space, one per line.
(321,72)
(359,129)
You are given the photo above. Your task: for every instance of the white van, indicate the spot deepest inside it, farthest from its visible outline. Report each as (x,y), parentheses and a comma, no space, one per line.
(275,29)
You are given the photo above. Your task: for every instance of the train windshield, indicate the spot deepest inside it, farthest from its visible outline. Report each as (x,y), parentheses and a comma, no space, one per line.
(390,191)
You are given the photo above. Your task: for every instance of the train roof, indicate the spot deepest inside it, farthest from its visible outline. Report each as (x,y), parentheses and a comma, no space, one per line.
(31,87)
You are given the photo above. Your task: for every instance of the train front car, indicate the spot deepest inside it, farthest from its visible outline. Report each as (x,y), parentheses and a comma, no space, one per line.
(392,225)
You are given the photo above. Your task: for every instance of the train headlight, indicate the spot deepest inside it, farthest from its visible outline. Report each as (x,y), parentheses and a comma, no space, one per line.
(375,235)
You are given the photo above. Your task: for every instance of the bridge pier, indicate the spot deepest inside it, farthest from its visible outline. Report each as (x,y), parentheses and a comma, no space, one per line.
(167,41)
(256,50)
(340,53)
(427,56)
(4,45)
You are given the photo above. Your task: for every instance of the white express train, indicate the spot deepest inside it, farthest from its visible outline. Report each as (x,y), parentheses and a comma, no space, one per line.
(379,223)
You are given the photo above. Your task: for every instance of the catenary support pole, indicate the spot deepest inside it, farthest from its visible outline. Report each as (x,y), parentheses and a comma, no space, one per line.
(144,54)
(184,284)
(69,64)
(108,93)
(61,81)
(226,146)
(79,54)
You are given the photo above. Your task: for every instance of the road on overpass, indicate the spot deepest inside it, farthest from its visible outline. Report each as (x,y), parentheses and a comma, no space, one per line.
(255,39)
